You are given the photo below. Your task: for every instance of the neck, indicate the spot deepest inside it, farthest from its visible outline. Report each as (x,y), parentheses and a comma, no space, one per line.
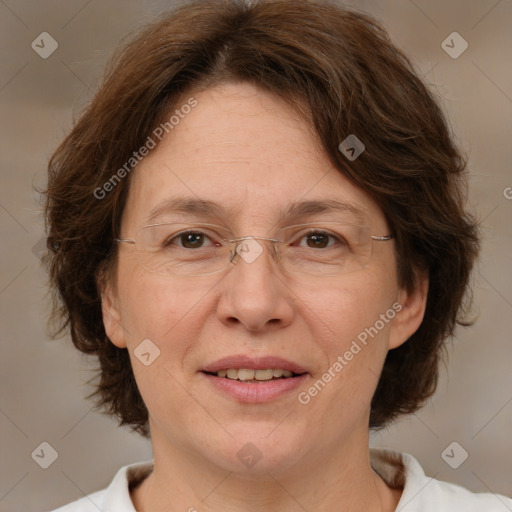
(342,480)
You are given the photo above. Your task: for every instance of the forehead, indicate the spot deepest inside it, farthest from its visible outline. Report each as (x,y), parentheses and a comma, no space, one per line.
(243,153)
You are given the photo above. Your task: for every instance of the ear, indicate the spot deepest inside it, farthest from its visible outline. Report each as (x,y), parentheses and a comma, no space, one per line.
(409,317)
(110,310)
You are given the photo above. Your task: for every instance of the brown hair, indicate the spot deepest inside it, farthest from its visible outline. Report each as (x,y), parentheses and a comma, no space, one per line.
(340,71)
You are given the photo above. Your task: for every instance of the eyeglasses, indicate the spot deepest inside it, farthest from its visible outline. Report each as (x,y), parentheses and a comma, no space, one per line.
(320,249)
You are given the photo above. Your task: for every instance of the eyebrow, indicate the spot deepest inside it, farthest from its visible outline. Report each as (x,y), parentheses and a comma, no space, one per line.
(297,209)
(308,208)
(186,205)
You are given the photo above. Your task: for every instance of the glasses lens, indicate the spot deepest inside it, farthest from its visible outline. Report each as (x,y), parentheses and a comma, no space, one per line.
(183,249)
(327,249)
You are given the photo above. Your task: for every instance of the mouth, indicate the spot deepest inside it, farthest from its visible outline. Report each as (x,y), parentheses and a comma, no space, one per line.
(250,380)
(253,375)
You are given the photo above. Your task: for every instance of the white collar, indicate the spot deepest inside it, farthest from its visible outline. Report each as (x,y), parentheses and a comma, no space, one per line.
(420,493)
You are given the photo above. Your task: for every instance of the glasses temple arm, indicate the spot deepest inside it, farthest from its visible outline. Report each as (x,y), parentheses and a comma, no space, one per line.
(382,238)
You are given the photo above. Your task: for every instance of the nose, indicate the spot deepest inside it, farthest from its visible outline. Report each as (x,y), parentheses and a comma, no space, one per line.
(254,293)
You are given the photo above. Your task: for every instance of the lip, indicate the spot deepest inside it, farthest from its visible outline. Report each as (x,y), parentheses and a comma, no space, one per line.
(255,392)
(254,363)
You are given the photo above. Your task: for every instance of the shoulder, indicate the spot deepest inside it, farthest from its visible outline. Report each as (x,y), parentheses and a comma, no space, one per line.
(422,493)
(116,496)
(454,497)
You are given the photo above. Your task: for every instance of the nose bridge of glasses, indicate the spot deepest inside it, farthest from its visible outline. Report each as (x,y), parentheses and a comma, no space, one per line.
(249,249)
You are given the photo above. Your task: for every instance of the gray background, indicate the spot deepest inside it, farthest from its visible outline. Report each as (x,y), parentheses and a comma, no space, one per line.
(43,382)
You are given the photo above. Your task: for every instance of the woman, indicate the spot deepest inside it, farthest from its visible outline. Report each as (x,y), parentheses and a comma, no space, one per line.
(258,228)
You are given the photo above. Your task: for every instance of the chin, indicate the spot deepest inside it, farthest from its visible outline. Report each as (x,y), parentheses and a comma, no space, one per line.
(252,454)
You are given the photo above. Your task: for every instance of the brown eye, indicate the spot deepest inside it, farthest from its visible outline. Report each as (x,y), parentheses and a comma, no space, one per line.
(318,240)
(188,240)
(192,240)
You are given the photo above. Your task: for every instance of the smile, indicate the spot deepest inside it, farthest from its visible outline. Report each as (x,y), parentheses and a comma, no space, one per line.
(249,375)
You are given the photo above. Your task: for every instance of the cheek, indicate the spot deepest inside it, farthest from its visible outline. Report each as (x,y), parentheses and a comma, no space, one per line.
(350,323)
(341,311)
(159,308)
(170,314)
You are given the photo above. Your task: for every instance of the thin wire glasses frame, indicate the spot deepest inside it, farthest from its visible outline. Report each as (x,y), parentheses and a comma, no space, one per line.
(157,252)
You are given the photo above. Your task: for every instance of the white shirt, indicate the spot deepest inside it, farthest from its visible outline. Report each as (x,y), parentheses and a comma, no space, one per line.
(420,493)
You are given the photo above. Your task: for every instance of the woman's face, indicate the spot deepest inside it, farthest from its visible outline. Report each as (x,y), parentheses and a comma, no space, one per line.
(249,154)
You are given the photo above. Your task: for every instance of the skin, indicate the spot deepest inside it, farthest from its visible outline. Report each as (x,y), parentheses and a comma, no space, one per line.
(249,151)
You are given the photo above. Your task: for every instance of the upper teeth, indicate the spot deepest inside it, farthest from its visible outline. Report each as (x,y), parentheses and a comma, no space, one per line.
(247,374)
